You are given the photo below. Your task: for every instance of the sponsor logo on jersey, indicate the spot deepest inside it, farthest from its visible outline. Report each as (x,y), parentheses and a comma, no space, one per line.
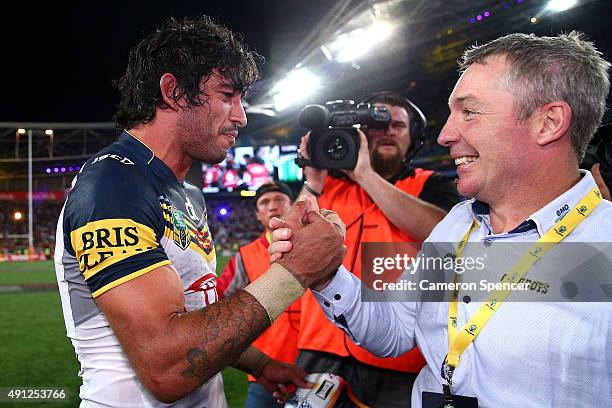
(191,210)
(122,160)
(102,243)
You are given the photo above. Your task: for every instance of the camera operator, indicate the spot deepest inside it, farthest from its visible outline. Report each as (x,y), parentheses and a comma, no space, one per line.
(383,199)
(598,159)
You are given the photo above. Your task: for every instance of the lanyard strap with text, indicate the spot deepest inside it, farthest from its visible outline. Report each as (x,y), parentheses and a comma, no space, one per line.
(459,341)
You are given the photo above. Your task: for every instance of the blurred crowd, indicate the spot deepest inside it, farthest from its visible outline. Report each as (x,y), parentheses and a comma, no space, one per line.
(230,229)
(14,230)
(232,223)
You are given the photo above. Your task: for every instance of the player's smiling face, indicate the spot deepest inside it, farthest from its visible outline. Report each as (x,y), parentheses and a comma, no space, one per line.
(211,129)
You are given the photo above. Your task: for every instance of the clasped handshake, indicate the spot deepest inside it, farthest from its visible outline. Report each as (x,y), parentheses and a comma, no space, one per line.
(308,242)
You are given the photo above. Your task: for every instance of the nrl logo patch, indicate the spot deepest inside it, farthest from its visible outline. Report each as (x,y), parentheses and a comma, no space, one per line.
(181,236)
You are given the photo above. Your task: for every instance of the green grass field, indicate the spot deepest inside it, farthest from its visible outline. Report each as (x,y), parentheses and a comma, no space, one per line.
(34,349)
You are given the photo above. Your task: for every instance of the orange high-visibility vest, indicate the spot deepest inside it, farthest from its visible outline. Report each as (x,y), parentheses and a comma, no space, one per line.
(279,341)
(365,223)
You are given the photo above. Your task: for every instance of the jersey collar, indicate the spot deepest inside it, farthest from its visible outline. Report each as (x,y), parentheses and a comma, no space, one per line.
(139,147)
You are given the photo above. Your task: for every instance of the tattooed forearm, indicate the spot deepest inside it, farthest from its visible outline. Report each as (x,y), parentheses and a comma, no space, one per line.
(197,360)
(228,328)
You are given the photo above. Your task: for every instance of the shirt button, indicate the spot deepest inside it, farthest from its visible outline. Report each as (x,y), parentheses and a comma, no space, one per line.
(337,296)
(467,299)
(326,304)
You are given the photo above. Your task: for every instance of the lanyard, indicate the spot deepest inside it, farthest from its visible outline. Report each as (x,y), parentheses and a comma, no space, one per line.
(459,340)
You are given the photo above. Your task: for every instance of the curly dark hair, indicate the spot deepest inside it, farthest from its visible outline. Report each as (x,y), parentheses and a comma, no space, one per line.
(190,50)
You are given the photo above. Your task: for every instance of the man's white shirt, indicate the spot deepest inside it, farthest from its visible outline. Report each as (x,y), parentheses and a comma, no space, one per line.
(530,354)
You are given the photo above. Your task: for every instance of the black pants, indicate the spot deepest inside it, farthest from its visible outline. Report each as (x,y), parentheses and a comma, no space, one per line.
(375,387)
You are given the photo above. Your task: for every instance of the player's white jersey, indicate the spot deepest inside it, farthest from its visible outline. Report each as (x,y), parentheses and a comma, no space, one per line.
(126,215)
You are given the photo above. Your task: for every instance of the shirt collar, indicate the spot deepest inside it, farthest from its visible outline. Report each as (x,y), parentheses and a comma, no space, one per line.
(553,212)
(480,211)
(546,217)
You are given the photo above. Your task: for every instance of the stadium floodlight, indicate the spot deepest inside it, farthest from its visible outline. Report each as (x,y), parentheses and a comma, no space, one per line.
(49,132)
(21,131)
(560,5)
(297,85)
(348,47)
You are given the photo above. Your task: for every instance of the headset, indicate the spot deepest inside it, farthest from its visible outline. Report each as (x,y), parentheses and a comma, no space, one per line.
(418,124)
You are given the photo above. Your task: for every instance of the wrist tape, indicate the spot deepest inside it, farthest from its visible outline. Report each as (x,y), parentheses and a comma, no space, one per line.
(276,290)
(252,361)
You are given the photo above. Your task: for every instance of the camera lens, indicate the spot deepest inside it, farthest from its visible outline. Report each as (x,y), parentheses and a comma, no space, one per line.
(336,148)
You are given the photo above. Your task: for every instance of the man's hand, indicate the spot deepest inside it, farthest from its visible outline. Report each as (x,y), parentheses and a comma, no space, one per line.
(363,167)
(334,219)
(281,379)
(315,177)
(605,191)
(280,234)
(315,245)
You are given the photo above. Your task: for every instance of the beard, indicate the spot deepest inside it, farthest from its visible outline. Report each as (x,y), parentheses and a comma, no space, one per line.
(202,143)
(387,165)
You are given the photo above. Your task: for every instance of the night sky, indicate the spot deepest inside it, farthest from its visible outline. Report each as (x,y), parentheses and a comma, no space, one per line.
(59,58)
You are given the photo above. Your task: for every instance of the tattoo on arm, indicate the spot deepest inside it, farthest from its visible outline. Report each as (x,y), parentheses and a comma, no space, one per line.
(228,328)
(197,360)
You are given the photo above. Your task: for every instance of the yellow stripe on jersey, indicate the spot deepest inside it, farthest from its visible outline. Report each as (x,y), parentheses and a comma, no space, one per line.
(128,278)
(102,243)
